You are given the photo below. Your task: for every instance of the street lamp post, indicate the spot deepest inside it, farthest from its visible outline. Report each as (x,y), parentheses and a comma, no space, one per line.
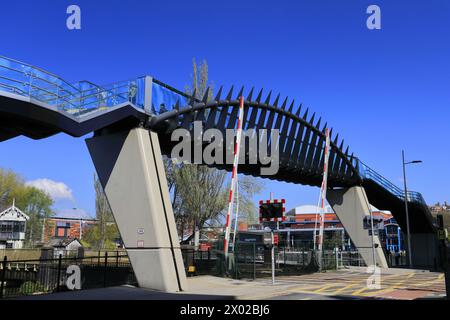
(408,234)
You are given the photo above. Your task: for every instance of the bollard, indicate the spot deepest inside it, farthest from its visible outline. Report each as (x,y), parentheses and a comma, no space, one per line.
(59,273)
(3,276)
(105,269)
(254,261)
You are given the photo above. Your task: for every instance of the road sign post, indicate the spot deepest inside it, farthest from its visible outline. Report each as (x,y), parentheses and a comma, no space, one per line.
(273,257)
(272,211)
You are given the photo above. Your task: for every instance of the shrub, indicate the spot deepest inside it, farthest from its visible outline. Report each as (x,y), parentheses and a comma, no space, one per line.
(31,287)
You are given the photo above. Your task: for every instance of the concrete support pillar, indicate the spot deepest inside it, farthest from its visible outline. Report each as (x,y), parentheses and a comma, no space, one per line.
(131,171)
(351,206)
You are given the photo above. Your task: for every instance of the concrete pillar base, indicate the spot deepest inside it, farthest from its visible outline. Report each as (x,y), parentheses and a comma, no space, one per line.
(351,206)
(131,171)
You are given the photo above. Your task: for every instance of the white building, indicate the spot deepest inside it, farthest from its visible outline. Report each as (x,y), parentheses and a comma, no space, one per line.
(12,228)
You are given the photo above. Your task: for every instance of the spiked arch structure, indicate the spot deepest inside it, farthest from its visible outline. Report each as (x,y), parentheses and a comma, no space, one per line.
(301,140)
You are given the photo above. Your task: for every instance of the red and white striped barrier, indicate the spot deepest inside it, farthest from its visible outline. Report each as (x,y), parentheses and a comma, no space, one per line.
(237,147)
(323,189)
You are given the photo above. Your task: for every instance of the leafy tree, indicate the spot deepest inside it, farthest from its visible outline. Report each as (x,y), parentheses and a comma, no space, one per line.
(32,201)
(100,237)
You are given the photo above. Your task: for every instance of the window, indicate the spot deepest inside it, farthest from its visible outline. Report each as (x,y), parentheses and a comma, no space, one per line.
(62,229)
(19,226)
(6,226)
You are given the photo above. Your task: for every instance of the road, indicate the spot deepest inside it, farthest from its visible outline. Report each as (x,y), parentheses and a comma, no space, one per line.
(337,285)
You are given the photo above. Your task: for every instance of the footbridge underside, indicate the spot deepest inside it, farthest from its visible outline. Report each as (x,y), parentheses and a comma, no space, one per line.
(128,115)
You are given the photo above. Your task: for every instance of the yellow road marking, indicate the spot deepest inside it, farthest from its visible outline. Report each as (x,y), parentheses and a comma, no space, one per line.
(345,288)
(325,287)
(390,288)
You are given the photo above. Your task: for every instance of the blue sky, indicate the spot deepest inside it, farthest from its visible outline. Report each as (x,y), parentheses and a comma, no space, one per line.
(382,90)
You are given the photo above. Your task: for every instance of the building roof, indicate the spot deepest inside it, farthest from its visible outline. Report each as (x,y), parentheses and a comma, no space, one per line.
(13,213)
(61,242)
(73,219)
(311,209)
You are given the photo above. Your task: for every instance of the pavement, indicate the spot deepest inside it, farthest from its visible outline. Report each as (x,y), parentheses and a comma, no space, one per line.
(404,284)
(347,284)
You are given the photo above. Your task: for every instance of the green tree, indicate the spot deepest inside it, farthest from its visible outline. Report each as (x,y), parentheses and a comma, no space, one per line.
(32,201)
(100,237)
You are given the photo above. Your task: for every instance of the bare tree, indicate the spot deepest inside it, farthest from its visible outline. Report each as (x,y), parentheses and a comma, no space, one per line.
(202,192)
(199,193)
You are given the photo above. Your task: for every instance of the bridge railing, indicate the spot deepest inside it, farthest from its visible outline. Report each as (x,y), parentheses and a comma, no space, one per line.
(78,98)
(84,97)
(368,173)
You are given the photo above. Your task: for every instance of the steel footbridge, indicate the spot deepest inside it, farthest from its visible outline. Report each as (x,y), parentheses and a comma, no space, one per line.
(37,104)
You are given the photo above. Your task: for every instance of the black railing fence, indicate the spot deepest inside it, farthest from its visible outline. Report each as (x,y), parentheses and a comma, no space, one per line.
(32,277)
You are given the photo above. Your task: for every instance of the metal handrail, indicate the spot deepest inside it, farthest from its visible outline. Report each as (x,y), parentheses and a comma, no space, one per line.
(37,69)
(368,173)
(29,81)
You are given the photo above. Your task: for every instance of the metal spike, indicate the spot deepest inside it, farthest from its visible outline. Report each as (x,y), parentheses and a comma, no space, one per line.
(346,151)
(193,97)
(318,123)
(258,99)
(230,94)
(298,110)
(291,107)
(331,133)
(325,127)
(241,93)
(177,105)
(219,94)
(283,106)
(275,103)
(206,96)
(336,139)
(249,97)
(342,145)
(268,98)
(312,118)
(305,116)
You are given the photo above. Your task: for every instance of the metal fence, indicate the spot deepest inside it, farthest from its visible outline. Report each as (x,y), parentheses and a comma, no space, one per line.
(32,277)
(251,260)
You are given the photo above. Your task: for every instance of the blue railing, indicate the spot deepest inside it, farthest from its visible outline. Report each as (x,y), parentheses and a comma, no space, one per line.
(29,81)
(368,173)
(84,96)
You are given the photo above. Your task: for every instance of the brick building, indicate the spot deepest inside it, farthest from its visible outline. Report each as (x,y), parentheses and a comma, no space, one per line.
(66,228)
